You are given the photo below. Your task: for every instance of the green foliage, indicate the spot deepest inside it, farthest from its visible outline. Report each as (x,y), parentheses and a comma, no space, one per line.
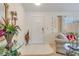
(73,33)
(11,52)
(1,26)
(11,29)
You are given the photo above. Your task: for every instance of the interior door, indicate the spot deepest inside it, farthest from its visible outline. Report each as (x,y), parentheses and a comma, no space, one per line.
(36,33)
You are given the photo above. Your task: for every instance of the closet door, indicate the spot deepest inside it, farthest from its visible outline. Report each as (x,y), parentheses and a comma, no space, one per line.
(36,26)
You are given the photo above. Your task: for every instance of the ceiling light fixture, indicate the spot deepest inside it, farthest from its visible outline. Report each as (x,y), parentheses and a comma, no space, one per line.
(37,4)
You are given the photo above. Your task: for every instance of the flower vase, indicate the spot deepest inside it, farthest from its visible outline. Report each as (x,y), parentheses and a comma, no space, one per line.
(8,38)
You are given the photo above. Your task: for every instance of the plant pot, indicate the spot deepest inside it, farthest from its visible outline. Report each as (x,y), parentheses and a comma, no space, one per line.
(9,44)
(8,38)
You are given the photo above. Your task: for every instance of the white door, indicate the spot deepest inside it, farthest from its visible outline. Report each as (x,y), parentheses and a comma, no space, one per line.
(36,33)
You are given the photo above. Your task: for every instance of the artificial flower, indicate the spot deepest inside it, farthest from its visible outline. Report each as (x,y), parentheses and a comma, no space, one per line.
(2,32)
(71,37)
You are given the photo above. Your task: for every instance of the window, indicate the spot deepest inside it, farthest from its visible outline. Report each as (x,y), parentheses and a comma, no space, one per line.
(70,20)
(70,23)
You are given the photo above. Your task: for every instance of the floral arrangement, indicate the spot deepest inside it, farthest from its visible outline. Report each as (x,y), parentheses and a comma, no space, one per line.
(72,46)
(71,36)
(73,39)
(8,29)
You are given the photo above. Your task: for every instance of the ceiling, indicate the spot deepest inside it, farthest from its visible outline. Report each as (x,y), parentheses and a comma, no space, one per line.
(74,7)
(49,7)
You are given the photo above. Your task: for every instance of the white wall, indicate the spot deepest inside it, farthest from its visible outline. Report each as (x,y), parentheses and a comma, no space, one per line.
(48,16)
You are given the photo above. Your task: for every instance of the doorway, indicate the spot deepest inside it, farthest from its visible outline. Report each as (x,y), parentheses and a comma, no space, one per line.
(35,28)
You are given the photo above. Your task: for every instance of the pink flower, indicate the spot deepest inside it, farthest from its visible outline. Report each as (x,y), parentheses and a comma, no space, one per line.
(2,32)
(71,37)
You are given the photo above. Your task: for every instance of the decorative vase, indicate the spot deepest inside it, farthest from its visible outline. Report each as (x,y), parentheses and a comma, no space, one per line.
(8,37)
